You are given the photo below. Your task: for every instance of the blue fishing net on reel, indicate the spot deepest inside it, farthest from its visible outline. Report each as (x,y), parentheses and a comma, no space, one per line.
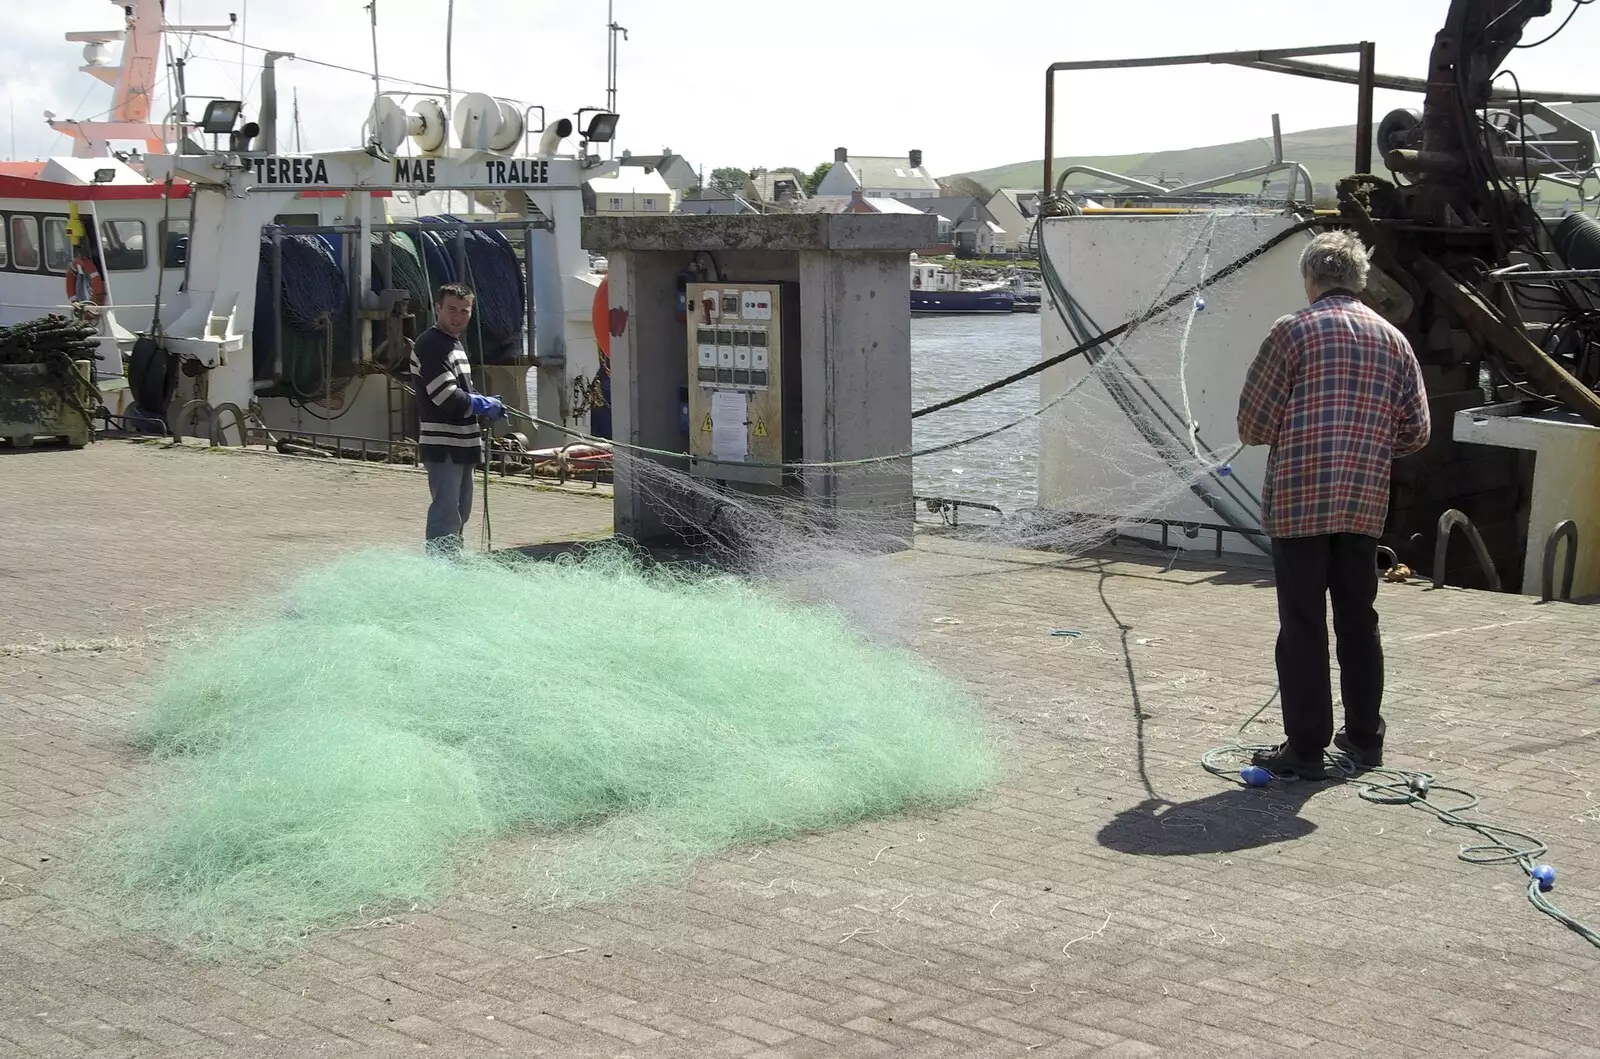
(495,274)
(316,304)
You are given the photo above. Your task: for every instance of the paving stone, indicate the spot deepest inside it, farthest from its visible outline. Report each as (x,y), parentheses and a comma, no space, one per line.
(1110,897)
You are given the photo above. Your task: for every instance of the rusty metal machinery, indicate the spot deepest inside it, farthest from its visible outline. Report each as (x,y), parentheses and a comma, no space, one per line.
(1500,304)
(46,387)
(1496,303)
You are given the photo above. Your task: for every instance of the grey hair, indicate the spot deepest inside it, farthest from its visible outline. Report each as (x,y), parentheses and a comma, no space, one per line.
(1336,259)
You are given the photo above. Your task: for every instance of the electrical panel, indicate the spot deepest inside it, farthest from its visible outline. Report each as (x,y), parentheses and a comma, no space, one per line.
(744,361)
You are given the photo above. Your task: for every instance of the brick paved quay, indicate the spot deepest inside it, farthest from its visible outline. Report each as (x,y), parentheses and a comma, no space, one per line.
(1072,912)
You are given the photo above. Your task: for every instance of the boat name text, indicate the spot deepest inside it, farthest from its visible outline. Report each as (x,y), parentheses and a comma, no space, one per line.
(517,171)
(308,172)
(509,172)
(305,171)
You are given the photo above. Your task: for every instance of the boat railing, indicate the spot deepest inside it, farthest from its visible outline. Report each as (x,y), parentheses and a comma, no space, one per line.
(1277,60)
(1298,174)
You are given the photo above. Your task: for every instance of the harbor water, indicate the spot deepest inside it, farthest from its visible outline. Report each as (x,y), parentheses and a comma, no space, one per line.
(951,355)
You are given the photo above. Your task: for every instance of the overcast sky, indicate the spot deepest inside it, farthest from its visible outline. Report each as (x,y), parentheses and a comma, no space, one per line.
(732,82)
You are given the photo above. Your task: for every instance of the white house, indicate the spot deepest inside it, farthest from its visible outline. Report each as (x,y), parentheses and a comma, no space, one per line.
(902,177)
(855,202)
(631,190)
(1015,210)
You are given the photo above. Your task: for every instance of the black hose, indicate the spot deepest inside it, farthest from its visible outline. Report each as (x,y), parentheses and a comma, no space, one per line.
(1577,240)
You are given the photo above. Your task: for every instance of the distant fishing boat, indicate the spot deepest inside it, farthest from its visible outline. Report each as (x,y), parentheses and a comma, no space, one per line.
(937,291)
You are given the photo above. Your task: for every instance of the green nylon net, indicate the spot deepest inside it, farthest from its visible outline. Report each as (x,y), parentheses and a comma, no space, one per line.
(340,755)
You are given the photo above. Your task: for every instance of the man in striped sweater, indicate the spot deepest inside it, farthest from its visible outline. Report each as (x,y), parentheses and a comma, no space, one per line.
(450,442)
(1337,392)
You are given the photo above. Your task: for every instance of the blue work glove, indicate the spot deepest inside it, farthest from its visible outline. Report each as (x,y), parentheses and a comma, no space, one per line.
(492,407)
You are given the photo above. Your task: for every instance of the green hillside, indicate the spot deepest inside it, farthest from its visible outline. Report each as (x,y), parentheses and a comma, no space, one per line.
(1329,155)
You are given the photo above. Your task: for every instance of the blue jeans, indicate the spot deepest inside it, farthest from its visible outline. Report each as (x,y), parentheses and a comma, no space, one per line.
(450,487)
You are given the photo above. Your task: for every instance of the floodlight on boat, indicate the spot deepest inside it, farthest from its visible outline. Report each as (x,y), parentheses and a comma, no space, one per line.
(220,116)
(601,128)
(104,176)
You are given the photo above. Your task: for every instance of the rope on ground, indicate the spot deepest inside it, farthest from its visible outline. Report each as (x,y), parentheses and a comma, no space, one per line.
(1407,787)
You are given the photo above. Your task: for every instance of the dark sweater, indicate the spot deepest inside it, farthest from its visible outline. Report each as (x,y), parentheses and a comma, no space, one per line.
(446,428)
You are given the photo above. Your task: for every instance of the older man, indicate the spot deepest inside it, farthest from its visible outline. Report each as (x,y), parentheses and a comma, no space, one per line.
(1338,394)
(449,440)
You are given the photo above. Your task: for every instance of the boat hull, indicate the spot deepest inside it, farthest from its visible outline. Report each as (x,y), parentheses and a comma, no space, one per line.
(960,302)
(1117,440)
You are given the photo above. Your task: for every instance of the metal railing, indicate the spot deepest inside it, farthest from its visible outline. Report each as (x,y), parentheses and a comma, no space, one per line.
(1566,530)
(1277,60)
(1449,521)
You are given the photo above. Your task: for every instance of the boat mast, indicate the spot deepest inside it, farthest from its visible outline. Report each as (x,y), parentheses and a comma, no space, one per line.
(612,29)
(132,79)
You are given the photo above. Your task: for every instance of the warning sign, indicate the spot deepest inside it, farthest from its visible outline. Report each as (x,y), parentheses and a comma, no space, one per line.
(761,427)
(705,428)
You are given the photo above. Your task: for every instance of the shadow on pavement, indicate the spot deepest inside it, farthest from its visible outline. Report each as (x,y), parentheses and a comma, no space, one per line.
(1224,822)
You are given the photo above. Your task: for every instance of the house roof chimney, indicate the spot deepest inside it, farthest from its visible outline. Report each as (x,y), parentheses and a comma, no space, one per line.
(841,155)
(916,159)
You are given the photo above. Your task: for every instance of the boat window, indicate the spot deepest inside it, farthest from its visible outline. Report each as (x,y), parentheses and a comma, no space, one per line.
(174,243)
(122,245)
(57,247)
(5,256)
(25,243)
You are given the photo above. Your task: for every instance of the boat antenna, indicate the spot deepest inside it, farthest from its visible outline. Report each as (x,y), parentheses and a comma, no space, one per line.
(297,119)
(377,86)
(449,49)
(244,38)
(612,29)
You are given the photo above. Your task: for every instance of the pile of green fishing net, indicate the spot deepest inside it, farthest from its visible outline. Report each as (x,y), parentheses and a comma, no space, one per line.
(336,757)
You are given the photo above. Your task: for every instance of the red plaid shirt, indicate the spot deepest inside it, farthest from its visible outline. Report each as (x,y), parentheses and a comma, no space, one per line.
(1338,394)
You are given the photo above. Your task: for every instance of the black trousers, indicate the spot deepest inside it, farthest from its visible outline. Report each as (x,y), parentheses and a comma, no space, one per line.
(1310,571)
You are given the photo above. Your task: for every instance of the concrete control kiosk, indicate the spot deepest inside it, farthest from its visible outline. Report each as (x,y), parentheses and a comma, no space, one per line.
(758,344)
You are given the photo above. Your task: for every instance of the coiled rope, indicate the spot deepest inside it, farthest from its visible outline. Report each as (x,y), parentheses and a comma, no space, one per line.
(1501,845)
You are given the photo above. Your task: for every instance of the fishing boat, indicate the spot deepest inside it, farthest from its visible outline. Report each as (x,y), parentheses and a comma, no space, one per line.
(1154,310)
(239,285)
(938,291)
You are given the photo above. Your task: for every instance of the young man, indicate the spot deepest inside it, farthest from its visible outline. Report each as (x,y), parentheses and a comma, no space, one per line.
(450,442)
(1337,392)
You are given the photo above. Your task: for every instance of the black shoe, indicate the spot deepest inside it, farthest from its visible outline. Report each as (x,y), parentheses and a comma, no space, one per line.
(1282,760)
(1366,751)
